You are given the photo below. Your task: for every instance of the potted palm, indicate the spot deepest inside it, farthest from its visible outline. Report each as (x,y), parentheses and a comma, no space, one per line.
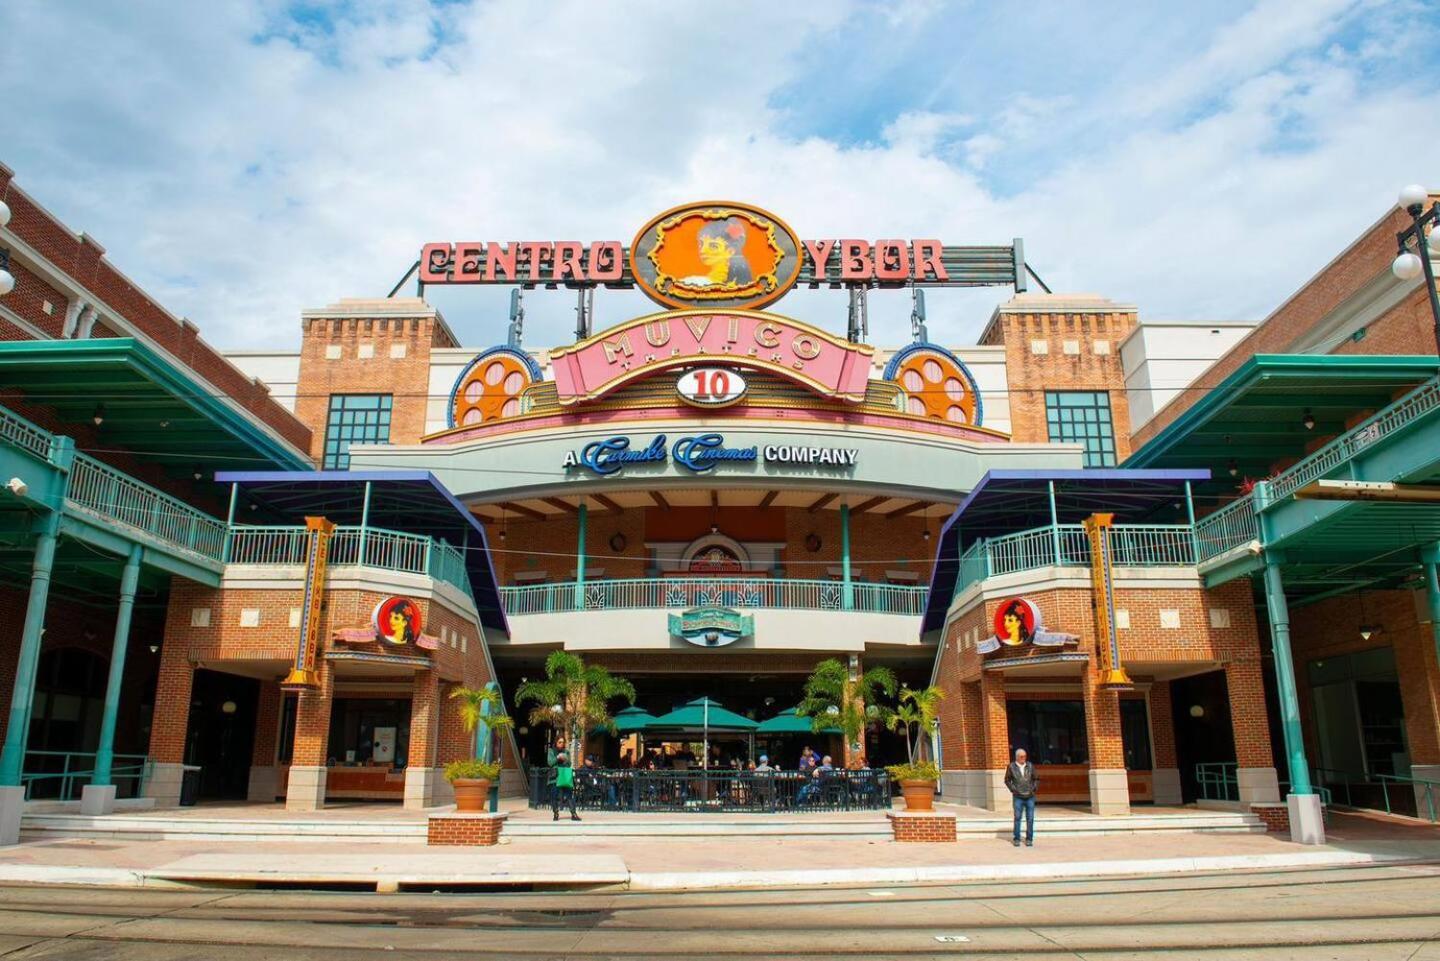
(480,707)
(836,698)
(918,711)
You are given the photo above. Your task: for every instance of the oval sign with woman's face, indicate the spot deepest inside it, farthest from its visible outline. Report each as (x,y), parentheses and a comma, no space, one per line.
(397,621)
(1016,621)
(715,255)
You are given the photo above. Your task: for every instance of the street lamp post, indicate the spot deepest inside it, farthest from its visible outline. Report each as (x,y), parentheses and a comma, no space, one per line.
(1408,265)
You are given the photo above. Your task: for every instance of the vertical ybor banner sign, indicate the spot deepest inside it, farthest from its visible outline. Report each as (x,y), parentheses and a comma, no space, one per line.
(1112,671)
(302,674)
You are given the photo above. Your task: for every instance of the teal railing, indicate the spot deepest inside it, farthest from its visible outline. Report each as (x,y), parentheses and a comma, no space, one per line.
(1405,411)
(1218,780)
(739,592)
(1428,809)
(25,435)
(353,546)
(71,770)
(116,496)
(1067,545)
(1224,530)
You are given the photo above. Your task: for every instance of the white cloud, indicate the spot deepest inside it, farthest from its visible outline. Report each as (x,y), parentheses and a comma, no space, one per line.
(242,166)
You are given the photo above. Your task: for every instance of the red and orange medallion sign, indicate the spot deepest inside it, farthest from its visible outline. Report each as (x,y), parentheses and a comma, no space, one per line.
(1018,623)
(714,254)
(397,621)
(827,365)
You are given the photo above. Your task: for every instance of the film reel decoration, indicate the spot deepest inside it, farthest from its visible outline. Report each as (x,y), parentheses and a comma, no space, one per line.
(489,387)
(937,385)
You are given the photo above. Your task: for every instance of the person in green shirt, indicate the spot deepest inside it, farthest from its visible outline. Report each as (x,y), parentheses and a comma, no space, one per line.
(563,779)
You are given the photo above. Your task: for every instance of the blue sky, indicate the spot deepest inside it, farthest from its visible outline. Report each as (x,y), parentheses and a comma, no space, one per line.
(243,161)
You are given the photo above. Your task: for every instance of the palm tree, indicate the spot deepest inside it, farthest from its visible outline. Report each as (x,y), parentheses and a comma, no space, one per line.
(905,716)
(834,699)
(924,704)
(473,716)
(574,697)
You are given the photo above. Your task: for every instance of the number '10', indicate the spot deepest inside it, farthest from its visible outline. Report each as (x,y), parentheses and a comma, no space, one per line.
(711,385)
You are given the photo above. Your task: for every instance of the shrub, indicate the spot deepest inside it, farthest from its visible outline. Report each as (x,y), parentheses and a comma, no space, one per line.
(918,771)
(472,770)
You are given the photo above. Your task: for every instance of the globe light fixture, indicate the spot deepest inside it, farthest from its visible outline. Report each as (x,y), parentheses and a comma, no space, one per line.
(1413,195)
(1407,266)
(4,214)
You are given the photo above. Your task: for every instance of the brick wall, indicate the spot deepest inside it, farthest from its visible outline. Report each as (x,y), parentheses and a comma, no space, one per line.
(82,259)
(1405,329)
(922,828)
(331,362)
(1061,322)
(465,829)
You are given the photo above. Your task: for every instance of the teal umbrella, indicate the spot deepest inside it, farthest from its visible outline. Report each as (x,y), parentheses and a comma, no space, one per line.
(790,722)
(632,720)
(701,714)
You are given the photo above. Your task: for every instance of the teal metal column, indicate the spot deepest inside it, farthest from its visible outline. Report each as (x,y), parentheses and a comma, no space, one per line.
(17,729)
(1190,513)
(105,752)
(1285,677)
(1054,522)
(230,523)
(364,523)
(847,589)
(583,519)
(1431,558)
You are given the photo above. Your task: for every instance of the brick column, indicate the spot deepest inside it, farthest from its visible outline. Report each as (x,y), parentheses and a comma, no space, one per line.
(305,787)
(962,733)
(421,773)
(992,794)
(1109,786)
(452,743)
(170,723)
(1259,783)
(1166,767)
(264,775)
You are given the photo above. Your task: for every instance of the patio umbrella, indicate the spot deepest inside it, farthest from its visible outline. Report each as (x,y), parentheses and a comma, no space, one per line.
(632,720)
(790,722)
(704,715)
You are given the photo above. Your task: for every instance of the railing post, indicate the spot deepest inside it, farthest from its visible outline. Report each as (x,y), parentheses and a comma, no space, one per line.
(582,521)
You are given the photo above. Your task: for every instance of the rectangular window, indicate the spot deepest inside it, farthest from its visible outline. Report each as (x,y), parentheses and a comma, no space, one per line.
(1082,417)
(1051,732)
(355,419)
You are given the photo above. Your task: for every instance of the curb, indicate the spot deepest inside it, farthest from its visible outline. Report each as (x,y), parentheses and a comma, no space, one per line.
(46,874)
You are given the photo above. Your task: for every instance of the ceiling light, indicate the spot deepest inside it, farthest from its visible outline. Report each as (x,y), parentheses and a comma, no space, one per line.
(1233,467)
(927,533)
(99,416)
(198,472)
(1308,420)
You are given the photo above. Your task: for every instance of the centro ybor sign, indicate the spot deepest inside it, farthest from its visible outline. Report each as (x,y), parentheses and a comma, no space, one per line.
(699,454)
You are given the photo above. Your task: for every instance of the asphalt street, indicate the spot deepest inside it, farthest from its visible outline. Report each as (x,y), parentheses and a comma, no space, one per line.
(1376,914)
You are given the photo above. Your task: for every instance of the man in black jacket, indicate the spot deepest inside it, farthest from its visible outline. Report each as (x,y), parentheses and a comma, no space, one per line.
(1023,782)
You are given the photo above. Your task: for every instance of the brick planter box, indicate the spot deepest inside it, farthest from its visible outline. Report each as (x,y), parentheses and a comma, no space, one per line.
(1275,816)
(927,827)
(465,829)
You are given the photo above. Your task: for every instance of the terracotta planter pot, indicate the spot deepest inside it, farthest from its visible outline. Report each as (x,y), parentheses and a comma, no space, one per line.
(919,795)
(471,795)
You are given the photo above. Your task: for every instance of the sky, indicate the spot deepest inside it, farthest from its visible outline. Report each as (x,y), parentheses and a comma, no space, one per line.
(245,161)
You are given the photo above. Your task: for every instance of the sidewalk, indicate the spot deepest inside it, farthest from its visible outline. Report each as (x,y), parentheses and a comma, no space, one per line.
(668,864)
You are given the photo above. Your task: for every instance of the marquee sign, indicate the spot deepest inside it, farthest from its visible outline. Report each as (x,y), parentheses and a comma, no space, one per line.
(710,386)
(700,454)
(1018,623)
(711,626)
(722,254)
(827,365)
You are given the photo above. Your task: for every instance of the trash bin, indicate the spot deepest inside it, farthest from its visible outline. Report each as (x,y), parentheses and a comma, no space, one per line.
(189,786)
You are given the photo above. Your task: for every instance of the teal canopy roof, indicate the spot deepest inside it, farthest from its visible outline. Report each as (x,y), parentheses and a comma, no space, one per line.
(632,720)
(789,722)
(693,717)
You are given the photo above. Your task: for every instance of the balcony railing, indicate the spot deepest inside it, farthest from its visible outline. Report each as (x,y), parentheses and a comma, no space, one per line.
(25,435)
(351,547)
(739,592)
(1067,545)
(1226,529)
(1414,405)
(116,496)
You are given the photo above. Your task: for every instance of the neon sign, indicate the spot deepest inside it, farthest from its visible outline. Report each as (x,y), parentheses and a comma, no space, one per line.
(700,454)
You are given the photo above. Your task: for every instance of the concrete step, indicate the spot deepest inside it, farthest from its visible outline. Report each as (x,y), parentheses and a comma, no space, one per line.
(873,828)
(159,828)
(1205,822)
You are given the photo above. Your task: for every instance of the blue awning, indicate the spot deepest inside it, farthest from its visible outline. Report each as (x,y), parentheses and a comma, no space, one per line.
(412,501)
(1007,501)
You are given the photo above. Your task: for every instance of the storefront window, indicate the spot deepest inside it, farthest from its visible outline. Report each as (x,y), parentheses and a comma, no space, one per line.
(369,732)
(1082,416)
(355,419)
(1051,732)
(1359,714)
